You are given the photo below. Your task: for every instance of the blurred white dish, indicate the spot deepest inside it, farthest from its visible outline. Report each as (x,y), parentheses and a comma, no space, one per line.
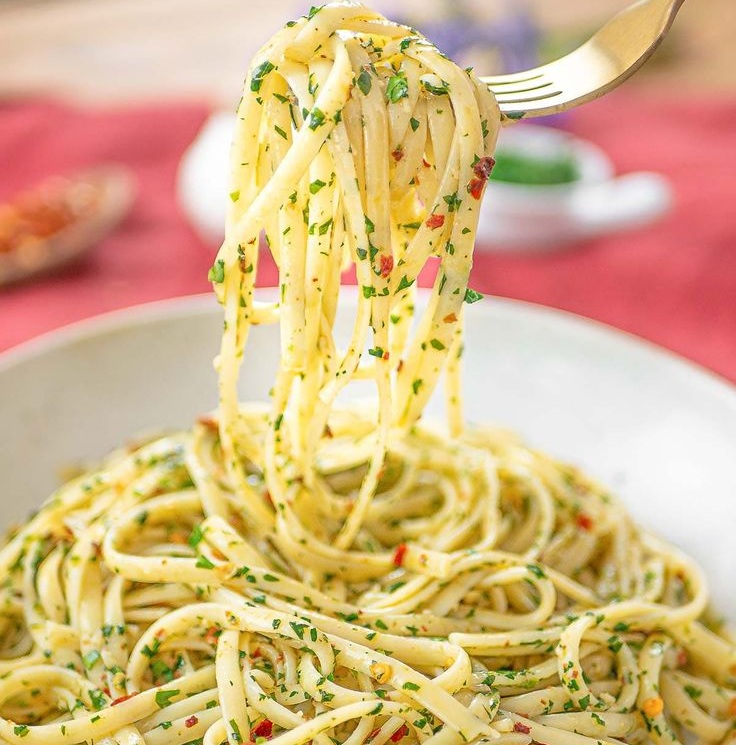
(548,216)
(657,429)
(513,215)
(202,182)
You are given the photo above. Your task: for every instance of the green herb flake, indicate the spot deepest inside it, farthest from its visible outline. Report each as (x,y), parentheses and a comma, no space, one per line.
(397,87)
(438,90)
(97,698)
(376,352)
(90,659)
(204,563)
(364,82)
(409,686)
(259,73)
(404,282)
(217,272)
(280,132)
(316,118)
(298,628)
(237,736)
(163,698)
(615,644)
(414,124)
(453,202)
(316,185)
(196,536)
(437,344)
(471,296)
(141,517)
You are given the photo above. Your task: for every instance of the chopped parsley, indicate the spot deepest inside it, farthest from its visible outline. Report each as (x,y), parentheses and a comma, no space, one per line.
(204,563)
(216,274)
(364,82)
(316,118)
(471,296)
(163,698)
(397,87)
(259,73)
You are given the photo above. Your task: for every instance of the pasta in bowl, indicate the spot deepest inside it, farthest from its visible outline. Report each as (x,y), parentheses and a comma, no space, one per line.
(308,571)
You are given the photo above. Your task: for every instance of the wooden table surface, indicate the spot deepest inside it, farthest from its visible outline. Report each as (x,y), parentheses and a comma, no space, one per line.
(116,50)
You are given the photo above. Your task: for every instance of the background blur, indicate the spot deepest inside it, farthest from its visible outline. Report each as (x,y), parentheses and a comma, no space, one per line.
(85,83)
(108,50)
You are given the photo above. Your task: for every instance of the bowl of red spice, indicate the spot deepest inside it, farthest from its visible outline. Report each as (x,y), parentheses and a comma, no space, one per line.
(58,220)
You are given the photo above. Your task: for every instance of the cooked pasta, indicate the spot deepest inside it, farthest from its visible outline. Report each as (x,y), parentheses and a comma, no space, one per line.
(311,571)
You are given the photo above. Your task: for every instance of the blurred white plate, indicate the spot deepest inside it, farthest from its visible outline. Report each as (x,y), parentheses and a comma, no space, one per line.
(660,431)
(526,216)
(513,216)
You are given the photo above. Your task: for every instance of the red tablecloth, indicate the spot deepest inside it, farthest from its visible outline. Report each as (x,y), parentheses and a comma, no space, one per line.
(673,282)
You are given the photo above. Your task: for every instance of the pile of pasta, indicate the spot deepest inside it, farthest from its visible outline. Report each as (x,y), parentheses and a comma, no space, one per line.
(303,572)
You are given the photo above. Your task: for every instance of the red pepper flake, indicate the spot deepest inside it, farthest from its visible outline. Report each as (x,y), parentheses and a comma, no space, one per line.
(482,169)
(398,154)
(328,432)
(399,554)
(212,634)
(385,356)
(255,654)
(476,188)
(519,727)
(374,733)
(208,422)
(401,732)
(268,498)
(682,658)
(450,318)
(584,521)
(426,164)
(435,221)
(122,698)
(191,721)
(387,264)
(264,729)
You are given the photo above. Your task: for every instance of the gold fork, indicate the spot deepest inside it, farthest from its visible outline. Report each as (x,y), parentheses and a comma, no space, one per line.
(611,56)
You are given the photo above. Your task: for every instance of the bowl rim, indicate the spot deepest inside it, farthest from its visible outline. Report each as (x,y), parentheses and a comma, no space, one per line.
(205,303)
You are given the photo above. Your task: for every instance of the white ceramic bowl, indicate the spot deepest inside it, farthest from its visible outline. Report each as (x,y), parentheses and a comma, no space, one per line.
(658,430)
